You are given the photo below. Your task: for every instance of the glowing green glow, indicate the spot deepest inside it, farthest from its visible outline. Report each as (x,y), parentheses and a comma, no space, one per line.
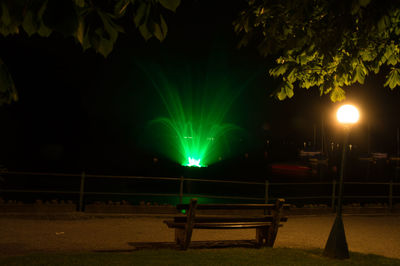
(194,163)
(192,144)
(193,129)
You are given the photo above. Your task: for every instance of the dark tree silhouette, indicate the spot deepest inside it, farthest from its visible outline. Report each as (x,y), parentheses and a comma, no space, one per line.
(93,24)
(325,44)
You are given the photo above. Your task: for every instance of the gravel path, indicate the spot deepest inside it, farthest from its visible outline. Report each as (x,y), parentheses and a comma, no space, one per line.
(367,234)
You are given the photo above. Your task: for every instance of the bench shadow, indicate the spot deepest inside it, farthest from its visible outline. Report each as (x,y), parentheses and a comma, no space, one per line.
(195,244)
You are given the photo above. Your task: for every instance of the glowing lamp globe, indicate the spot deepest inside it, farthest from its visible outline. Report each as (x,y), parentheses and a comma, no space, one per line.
(347,114)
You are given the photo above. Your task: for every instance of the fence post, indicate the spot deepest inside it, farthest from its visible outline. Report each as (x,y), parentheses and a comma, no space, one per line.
(333,194)
(266,191)
(391,195)
(181,190)
(266,195)
(80,207)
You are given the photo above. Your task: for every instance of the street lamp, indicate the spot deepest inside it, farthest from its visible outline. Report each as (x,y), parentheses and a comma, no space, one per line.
(336,246)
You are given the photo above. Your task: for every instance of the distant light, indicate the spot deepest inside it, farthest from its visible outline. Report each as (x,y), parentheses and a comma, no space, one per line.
(347,114)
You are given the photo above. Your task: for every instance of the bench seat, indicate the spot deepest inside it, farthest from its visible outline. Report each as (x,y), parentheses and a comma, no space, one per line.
(221,225)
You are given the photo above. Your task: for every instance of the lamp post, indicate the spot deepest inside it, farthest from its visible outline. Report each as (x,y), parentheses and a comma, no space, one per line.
(336,246)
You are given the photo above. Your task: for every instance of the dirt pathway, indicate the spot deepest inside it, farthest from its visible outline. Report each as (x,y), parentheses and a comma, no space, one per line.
(367,234)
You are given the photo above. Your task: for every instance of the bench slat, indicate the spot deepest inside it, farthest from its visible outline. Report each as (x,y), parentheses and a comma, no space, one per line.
(249,225)
(221,219)
(181,207)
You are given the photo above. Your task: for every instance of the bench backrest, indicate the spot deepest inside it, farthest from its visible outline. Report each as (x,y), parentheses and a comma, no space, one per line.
(181,207)
(227,209)
(235,208)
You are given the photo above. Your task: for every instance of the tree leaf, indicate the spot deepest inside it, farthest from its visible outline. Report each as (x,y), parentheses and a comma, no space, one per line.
(392,60)
(160,29)
(110,27)
(306,84)
(279,70)
(393,78)
(368,55)
(140,15)
(291,77)
(157,32)
(87,39)
(285,91)
(80,3)
(28,23)
(337,94)
(8,93)
(303,59)
(170,4)
(105,47)
(5,14)
(164,27)
(364,3)
(359,74)
(145,32)
(289,90)
(44,31)
(281,94)
(80,31)
(383,23)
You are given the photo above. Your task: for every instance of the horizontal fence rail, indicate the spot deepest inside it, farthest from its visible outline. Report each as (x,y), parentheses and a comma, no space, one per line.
(267,191)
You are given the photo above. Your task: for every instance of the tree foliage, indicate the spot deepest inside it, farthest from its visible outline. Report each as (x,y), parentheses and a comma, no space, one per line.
(8,93)
(93,24)
(325,44)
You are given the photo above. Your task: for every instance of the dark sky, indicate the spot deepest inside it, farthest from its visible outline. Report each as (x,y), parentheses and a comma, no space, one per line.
(78,110)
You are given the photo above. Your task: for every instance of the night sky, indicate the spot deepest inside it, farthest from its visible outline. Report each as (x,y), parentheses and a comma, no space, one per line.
(78,110)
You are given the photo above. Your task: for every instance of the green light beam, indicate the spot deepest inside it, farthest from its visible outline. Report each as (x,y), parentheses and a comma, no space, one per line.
(192,129)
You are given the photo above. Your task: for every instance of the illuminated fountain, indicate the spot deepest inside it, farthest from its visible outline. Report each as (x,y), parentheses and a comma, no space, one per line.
(194,141)
(192,126)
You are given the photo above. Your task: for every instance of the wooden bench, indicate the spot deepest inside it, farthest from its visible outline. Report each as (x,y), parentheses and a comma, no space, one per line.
(265,218)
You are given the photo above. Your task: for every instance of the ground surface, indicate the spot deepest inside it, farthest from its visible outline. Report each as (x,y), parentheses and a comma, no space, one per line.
(367,234)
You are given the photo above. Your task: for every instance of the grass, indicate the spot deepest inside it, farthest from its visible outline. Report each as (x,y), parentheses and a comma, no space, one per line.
(227,256)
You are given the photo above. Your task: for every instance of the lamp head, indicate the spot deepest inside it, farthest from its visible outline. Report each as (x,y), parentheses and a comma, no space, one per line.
(347,114)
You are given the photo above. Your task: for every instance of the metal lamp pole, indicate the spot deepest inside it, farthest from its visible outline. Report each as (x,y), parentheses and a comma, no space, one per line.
(336,246)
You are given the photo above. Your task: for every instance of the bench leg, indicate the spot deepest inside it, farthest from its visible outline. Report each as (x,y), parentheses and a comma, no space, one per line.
(262,236)
(180,236)
(265,237)
(272,232)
